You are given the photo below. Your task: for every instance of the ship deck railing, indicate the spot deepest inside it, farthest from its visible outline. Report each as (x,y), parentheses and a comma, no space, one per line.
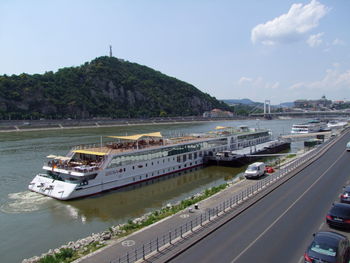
(113,147)
(254,148)
(118,147)
(82,167)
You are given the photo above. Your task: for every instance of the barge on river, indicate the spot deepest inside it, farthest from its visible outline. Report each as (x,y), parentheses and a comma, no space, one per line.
(91,169)
(246,155)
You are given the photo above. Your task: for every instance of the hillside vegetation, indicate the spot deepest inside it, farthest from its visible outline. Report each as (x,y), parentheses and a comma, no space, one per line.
(104,87)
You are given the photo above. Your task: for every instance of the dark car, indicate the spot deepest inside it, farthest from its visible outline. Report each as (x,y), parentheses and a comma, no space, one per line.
(345,196)
(339,215)
(328,247)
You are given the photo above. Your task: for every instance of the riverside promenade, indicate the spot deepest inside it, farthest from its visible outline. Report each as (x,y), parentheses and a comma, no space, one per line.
(120,247)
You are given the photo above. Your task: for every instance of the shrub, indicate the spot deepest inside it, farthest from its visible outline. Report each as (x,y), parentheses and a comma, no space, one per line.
(63,256)
(48,259)
(65,253)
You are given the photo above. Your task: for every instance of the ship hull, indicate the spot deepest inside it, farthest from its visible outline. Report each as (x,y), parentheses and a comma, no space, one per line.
(95,189)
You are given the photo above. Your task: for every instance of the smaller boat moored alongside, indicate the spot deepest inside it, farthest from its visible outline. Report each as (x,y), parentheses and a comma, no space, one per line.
(247,155)
(336,124)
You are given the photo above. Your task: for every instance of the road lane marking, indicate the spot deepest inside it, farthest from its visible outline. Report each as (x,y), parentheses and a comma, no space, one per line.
(286,211)
(301,259)
(128,243)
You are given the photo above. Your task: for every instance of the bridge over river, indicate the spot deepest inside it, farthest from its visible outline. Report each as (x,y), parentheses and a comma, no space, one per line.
(304,114)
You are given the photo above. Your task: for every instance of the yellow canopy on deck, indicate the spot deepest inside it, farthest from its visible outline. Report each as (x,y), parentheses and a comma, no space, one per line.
(90,152)
(136,137)
(221,128)
(57,157)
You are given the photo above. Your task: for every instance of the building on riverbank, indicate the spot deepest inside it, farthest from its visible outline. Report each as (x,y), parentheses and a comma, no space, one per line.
(217,113)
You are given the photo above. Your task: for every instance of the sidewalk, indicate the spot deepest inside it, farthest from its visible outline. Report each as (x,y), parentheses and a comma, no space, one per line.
(121,246)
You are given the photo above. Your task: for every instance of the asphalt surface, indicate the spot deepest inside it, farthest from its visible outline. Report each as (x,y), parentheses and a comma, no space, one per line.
(279,227)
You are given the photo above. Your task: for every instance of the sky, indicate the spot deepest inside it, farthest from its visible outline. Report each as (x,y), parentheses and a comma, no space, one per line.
(262,50)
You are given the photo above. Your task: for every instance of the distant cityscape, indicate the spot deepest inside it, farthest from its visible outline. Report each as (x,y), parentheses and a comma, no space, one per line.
(322,104)
(247,106)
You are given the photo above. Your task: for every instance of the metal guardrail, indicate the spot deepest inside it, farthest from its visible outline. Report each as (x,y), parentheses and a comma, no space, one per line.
(177,233)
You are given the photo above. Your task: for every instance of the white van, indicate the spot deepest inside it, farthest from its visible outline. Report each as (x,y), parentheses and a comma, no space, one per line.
(255,170)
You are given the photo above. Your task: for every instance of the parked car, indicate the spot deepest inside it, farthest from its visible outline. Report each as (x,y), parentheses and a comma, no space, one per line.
(345,196)
(255,170)
(348,146)
(329,247)
(269,169)
(339,215)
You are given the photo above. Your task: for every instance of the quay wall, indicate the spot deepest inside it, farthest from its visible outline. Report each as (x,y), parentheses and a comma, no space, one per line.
(33,125)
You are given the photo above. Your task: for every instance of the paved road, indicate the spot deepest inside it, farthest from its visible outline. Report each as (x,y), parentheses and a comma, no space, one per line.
(280,226)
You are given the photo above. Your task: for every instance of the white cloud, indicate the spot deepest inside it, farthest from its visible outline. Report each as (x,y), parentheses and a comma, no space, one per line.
(244,79)
(315,40)
(256,88)
(335,42)
(338,42)
(291,26)
(257,83)
(335,83)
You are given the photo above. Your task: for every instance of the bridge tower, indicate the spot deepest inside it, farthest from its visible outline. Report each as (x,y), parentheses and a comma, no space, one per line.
(267,114)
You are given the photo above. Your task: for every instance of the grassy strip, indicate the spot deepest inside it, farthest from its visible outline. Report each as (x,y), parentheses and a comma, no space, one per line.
(167,211)
(279,161)
(67,255)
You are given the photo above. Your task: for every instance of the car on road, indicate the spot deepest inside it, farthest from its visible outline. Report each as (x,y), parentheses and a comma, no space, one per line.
(255,170)
(345,196)
(348,146)
(328,247)
(339,215)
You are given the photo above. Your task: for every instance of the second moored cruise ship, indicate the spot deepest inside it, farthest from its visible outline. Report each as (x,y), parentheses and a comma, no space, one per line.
(87,170)
(309,127)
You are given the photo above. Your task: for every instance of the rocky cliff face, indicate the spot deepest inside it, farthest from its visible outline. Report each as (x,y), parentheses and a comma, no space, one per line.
(104,87)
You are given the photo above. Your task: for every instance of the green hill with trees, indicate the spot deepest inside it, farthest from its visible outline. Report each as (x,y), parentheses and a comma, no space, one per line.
(104,87)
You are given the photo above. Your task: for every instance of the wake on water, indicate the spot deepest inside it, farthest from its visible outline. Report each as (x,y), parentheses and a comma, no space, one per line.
(27,201)
(23,202)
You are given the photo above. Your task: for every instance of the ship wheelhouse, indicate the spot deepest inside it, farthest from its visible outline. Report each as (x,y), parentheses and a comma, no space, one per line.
(79,168)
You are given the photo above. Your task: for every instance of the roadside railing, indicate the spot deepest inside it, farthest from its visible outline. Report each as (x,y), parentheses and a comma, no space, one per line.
(205,218)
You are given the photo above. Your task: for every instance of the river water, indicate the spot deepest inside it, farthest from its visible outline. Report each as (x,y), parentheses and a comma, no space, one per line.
(31,224)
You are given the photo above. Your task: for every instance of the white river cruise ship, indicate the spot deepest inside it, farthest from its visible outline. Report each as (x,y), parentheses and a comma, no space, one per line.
(88,170)
(308,127)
